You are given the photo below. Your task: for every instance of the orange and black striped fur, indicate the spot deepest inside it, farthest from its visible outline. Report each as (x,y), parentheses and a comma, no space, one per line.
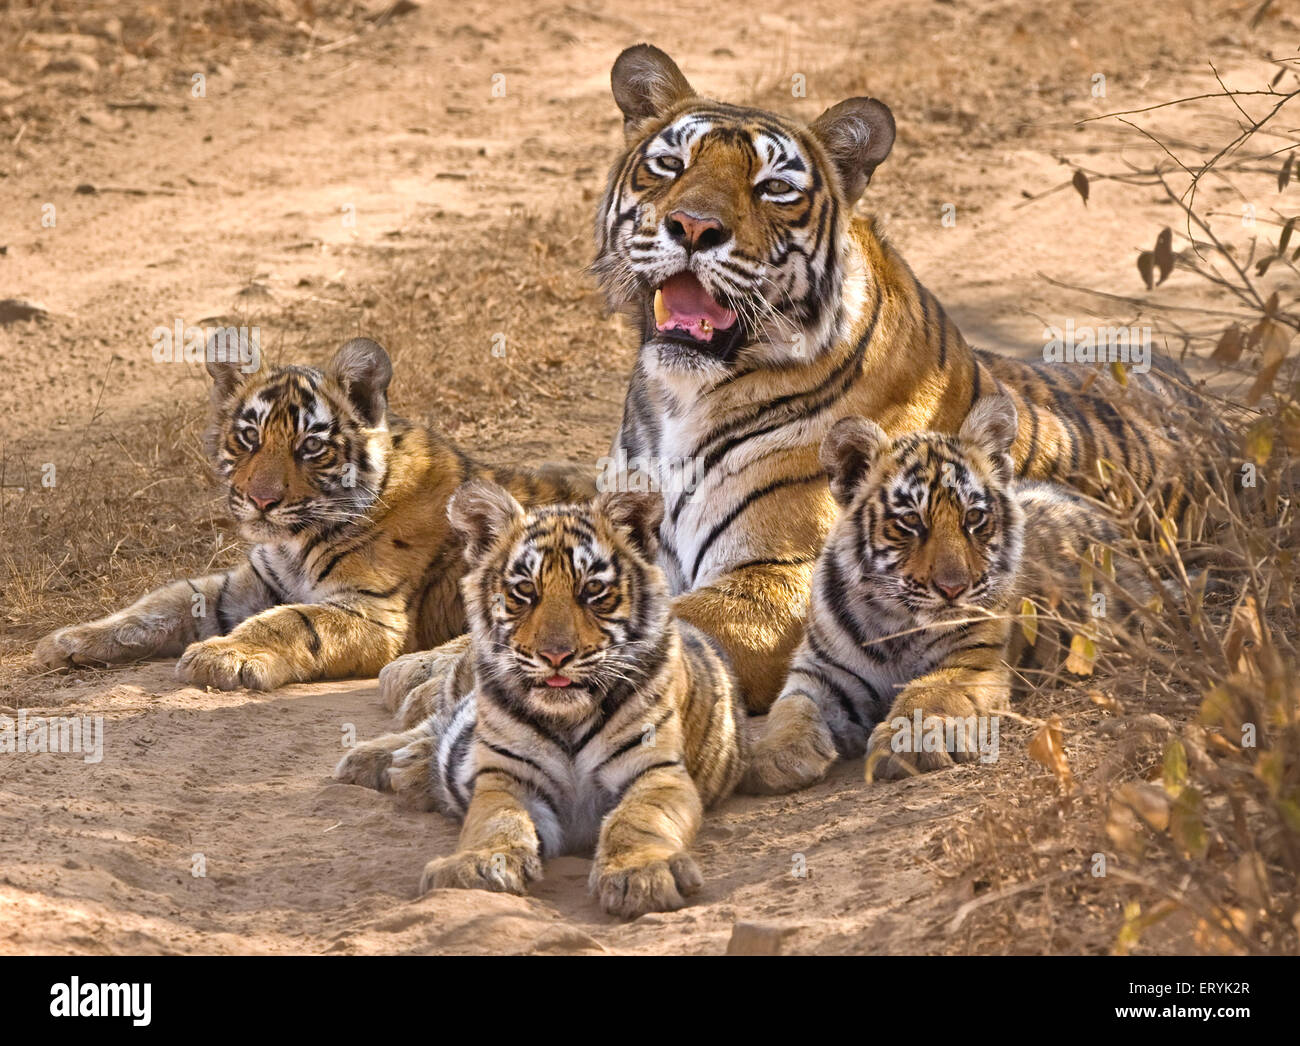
(593,722)
(766,312)
(915,592)
(353,561)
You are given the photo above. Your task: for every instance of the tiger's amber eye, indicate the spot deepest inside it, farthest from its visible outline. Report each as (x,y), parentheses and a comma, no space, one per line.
(975,518)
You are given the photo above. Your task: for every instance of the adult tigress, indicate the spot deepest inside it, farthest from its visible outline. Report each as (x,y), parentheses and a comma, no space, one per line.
(766,313)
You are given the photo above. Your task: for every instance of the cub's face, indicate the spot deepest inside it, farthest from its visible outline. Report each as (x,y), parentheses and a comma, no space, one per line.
(301,450)
(721,228)
(929,518)
(566,601)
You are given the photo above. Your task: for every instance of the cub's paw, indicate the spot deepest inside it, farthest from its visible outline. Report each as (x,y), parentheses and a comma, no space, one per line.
(92,644)
(367,765)
(410,777)
(228,665)
(794,752)
(657,886)
(897,751)
(398,678)
(509,871)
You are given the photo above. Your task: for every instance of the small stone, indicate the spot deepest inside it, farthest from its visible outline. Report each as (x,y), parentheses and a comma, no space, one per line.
(73,62)
(14,309)
(758,938)
(64,42)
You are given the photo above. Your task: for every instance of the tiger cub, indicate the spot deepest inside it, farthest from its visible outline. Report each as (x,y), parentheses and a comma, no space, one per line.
(936,545)
(594,720)
(353,562)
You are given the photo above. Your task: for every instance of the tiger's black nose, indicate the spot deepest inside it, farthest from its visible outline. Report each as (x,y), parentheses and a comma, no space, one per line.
(696,233)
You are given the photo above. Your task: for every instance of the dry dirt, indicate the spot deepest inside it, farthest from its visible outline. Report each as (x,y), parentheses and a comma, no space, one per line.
(472,217)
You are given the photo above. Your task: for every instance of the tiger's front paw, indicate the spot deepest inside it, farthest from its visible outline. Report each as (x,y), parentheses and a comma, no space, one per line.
(794,752)
(898,749)
(656,886)
(227,665)
(509,871)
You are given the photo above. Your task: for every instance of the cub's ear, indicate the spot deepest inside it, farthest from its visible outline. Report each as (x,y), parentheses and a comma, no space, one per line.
(480,512)
(364,370)
(858,134)
(646,83)
(992,424)
(847,453)
(637,512)
(223,365)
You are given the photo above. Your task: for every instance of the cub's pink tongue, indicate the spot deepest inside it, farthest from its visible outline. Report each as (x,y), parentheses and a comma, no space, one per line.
(682,303)
(559,680)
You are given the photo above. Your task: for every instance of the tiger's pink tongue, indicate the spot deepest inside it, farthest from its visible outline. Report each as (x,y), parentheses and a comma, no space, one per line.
(559,680)
(682,303)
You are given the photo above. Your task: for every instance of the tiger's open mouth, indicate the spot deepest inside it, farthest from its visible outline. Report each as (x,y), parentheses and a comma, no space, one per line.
(688,314)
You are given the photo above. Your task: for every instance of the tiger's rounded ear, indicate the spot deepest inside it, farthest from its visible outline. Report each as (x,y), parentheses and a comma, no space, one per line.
(992,424)
(364,370)
(637,512)
(858,134)
(646,84)
(847,453)
(225,370)
(480,512)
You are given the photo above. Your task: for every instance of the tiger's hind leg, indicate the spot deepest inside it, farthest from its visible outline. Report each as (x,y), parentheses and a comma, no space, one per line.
(160,624)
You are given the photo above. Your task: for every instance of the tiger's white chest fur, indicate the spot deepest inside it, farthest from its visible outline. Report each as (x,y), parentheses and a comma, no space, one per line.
(703,534)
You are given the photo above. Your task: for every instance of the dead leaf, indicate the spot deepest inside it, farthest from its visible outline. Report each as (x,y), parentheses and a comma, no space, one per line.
(1080,183)
(1244,636)
(1164,254)
(1147,801)
(1186,827)
(1146,263)
(1048,749)
(1230,347)
(1275,339)
(1083,655)
(1029,620)
(1259,441)
(1174,771)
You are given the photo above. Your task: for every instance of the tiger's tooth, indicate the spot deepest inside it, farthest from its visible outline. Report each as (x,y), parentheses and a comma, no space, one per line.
(661,310)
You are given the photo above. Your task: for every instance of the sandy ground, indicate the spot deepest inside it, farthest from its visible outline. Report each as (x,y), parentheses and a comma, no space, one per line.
(473,215)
